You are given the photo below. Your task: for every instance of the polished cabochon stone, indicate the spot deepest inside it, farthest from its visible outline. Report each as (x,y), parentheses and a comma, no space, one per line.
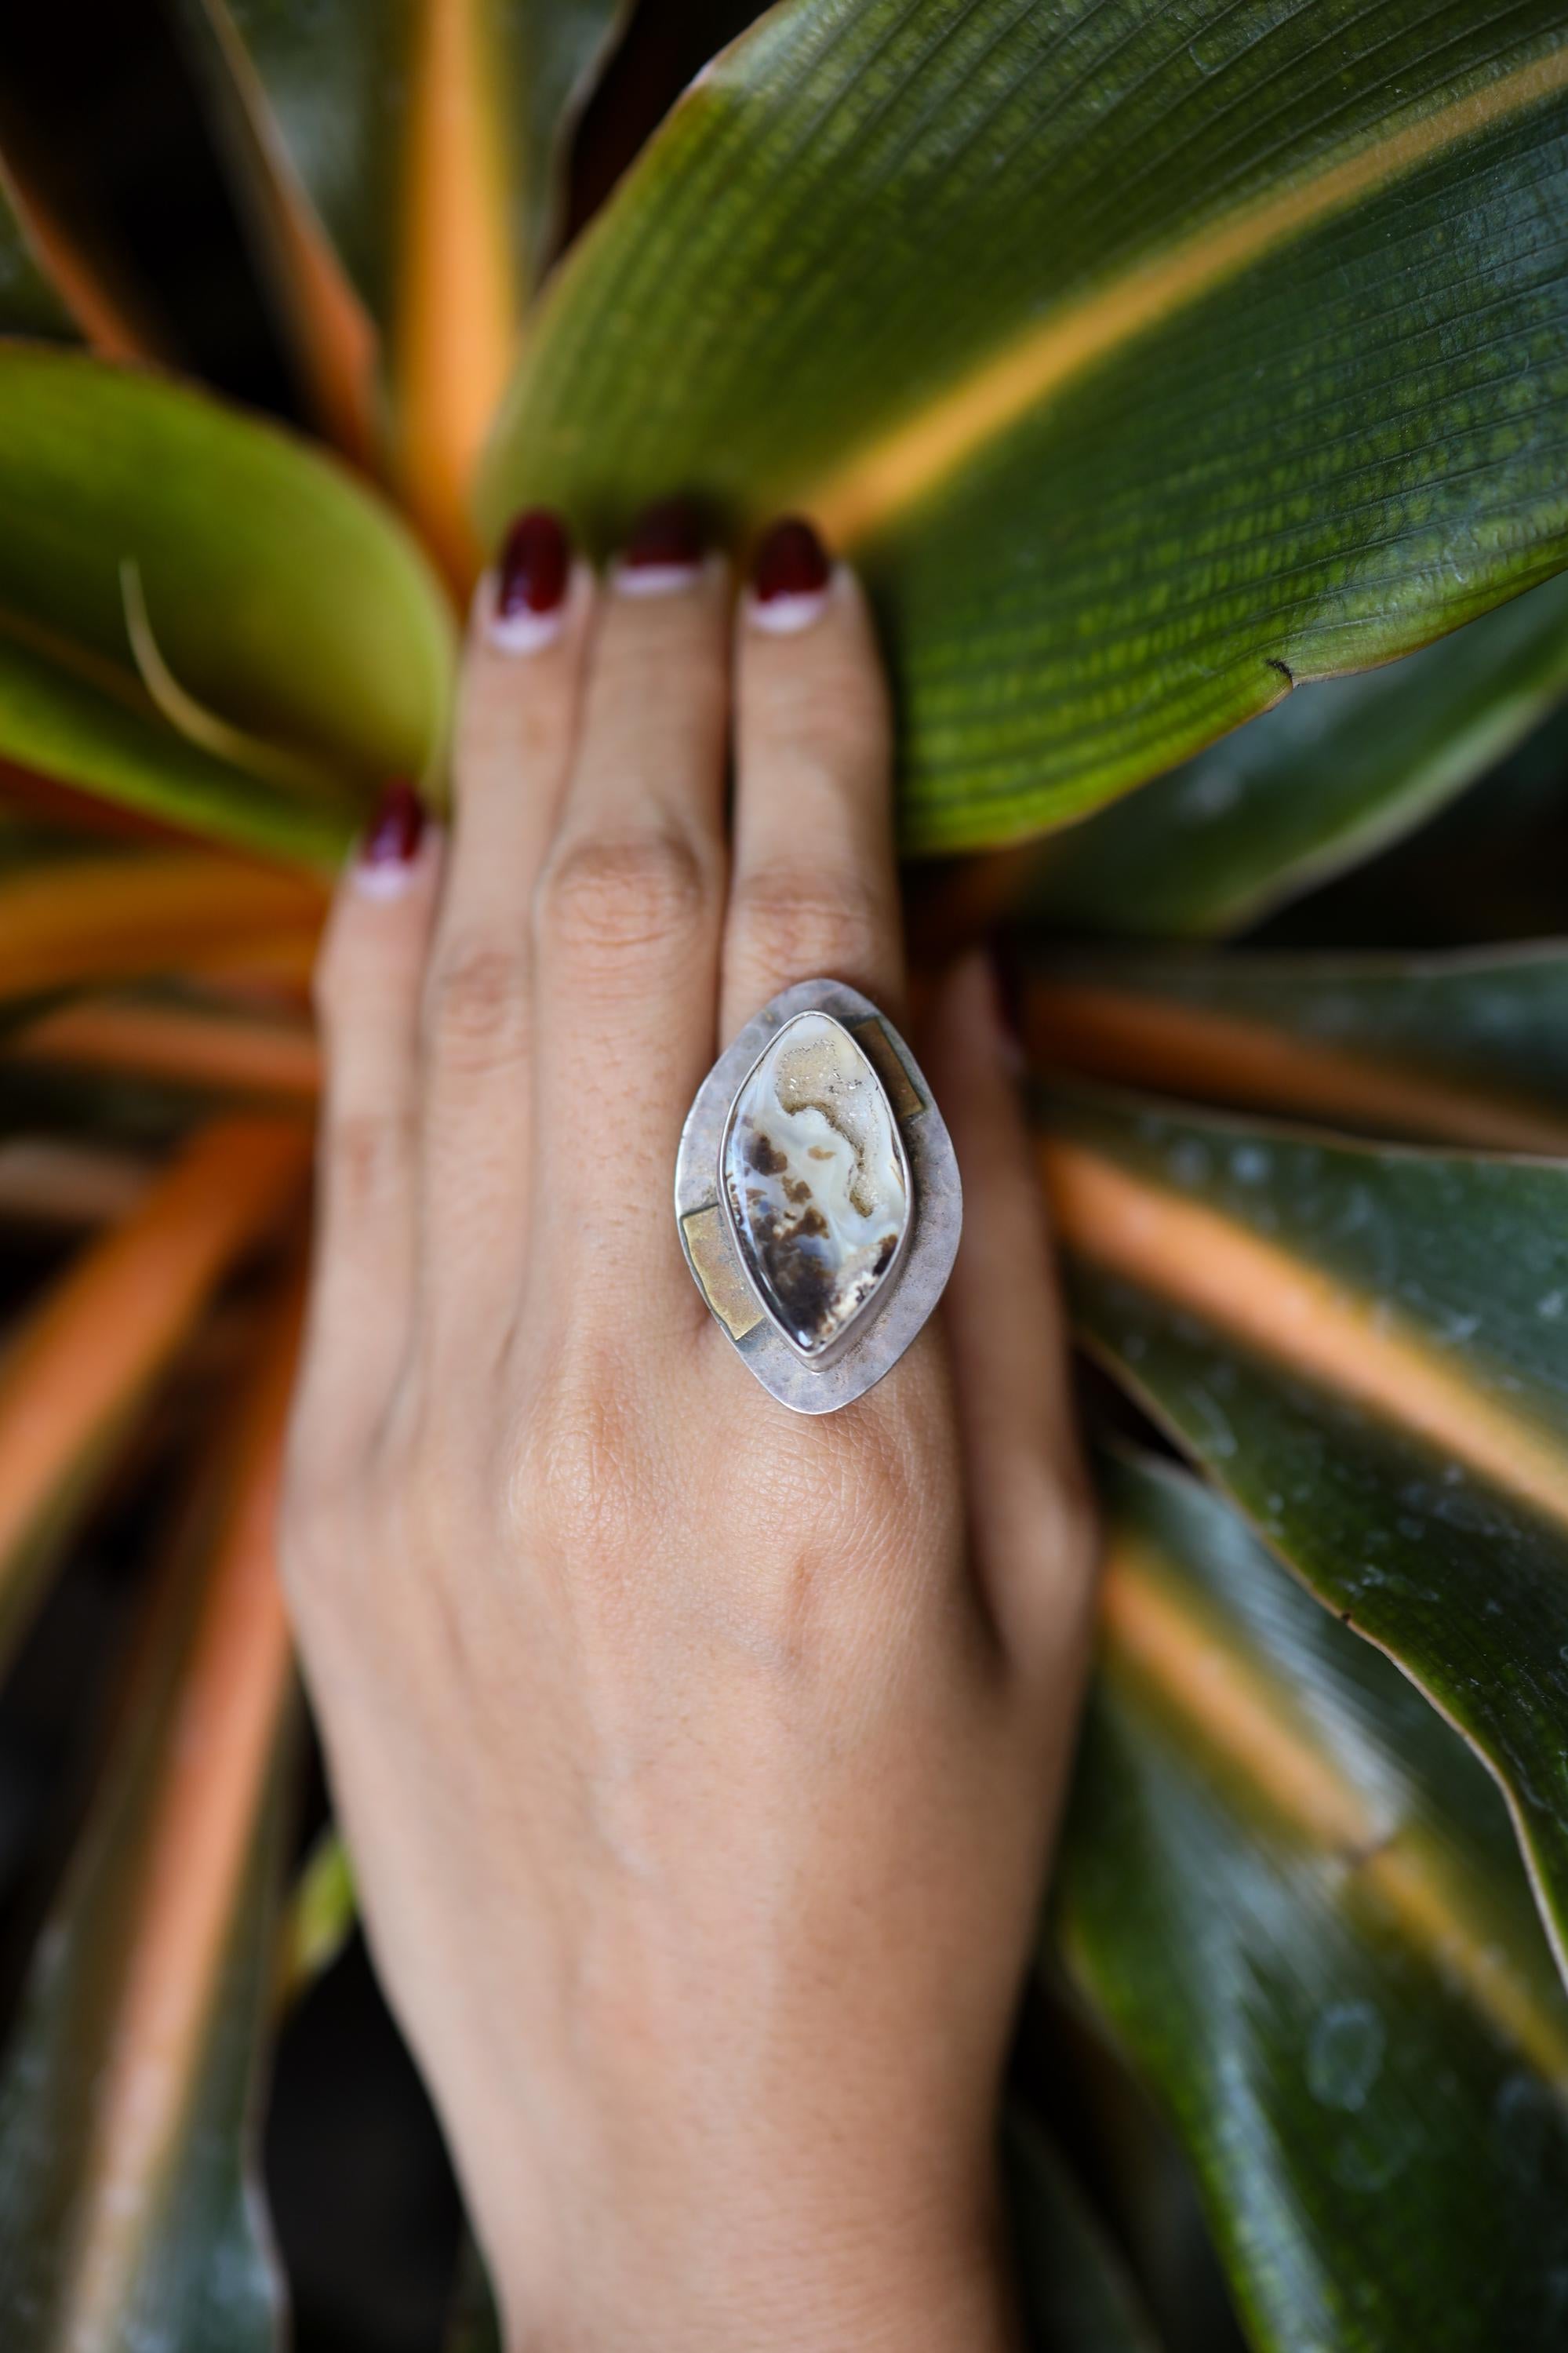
(818,1199)
(815,1181)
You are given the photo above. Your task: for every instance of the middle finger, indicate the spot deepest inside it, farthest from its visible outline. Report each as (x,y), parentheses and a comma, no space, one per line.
(627,928)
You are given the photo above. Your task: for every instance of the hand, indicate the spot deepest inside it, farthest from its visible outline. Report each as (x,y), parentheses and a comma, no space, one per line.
(699,1761)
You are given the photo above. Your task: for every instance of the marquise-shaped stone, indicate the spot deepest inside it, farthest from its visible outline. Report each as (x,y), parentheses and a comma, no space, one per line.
(815,1181)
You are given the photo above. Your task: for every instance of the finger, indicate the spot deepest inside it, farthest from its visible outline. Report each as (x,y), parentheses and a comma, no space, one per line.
(627,924)
(367,993)
(814,889)
(516,722)
(1032,1521)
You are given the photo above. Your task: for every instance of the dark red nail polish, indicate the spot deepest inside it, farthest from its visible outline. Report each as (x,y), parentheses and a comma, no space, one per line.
(535,565)
(790,562)
(668,537)
(396,826)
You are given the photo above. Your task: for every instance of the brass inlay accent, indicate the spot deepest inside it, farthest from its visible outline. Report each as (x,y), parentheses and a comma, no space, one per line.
(871,1036)
(718,1270)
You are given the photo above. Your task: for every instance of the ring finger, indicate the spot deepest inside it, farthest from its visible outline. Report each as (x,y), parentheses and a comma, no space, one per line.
(627,926)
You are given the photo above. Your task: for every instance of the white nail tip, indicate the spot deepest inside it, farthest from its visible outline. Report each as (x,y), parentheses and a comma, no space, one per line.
(384,883)
(656,579)
(524,633)
(783,617)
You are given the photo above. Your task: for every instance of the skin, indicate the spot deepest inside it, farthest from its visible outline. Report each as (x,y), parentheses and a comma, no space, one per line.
(700,1761)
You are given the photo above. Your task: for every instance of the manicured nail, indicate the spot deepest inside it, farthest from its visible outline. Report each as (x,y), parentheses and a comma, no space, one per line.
(390,843)
(531,584)
(791,577)
(664,553)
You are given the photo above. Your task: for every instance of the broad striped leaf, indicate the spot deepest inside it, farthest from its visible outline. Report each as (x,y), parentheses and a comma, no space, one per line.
(1364,1347)
(75,1373)
(1464,1049)
(1295,1896)
(1145,358)
(1333,774)
(128,2216)
(174,572)
(424,139)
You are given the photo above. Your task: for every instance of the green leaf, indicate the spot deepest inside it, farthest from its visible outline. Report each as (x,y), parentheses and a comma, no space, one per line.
(115,745)
(1333,774)
(1144,361)
(1466,1049)
(1364,1349)
(323,1908)
(1295,1897)
(1075,2294)
(128,2216)
(1484,867)
(279,595)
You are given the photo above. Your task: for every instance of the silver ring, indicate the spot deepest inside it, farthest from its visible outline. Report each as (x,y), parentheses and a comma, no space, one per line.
(816,1196)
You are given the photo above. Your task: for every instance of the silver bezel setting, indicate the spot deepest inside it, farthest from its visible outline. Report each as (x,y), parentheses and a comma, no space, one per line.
(915,1282)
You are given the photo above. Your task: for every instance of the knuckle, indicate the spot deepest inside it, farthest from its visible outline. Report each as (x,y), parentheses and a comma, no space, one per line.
(365,1153)
(794,922)
(577,1477)
(606,898)
(476,1004)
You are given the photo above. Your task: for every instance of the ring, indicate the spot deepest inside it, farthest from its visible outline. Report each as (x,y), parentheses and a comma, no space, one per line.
(816,1196)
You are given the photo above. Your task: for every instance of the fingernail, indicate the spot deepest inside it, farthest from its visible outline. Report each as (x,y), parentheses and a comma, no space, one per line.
(383,863)
(532,579)
(791,577)
(664,553)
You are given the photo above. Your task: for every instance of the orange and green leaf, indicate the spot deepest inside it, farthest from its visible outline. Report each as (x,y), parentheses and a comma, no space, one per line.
(201,616)
(1294,1898)
(80,1364)
(1107,431)
(1362,1347)
(401,160)
(202,1047)
(1465,1048)
(126,2214)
